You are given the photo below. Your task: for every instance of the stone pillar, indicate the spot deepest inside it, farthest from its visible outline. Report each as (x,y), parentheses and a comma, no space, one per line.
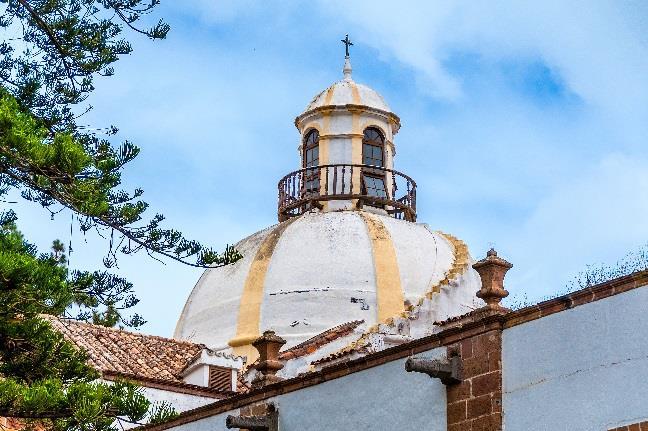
(268,363)
(475,403)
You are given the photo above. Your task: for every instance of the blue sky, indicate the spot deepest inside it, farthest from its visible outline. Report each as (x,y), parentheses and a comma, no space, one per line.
(525,125)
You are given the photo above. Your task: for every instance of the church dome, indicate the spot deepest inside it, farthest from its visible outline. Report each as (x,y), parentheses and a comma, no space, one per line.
(348,92)
(348,247)
(322,269)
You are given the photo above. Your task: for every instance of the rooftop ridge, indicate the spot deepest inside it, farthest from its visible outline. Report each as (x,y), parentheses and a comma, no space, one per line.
(320,340)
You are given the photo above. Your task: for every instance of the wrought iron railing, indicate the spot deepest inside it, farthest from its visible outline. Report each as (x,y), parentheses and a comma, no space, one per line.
(378,187)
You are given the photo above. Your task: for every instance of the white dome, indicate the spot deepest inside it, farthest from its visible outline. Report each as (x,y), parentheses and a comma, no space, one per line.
(348,92)
(319,270)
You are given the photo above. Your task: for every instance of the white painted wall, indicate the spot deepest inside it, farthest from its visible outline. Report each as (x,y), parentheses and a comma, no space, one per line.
(180,402)
(383,398)
(199,376)
(582,369)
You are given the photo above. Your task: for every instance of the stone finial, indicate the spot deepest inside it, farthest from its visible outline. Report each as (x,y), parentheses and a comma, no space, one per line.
(268,363)
(492,270)
(346,71)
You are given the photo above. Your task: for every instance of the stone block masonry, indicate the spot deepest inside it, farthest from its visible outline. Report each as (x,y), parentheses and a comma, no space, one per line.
(475,404)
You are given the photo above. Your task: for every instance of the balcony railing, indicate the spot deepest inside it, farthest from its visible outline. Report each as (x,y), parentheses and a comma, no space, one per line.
(360,185)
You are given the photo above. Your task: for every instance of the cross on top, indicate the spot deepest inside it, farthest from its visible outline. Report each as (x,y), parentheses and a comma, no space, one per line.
(347,43)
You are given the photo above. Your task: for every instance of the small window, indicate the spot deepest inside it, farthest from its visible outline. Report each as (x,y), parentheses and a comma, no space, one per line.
(373,179)
(374,186)
(220,378)
(372,155)
(311,160)
(373,145)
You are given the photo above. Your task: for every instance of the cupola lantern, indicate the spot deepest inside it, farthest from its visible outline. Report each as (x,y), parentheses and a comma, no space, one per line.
(347,155)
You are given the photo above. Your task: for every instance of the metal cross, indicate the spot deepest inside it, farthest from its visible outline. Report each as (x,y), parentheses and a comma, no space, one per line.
(347,43)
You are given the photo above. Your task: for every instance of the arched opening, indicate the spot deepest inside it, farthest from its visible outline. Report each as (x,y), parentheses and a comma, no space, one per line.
(311,160)
(373,154)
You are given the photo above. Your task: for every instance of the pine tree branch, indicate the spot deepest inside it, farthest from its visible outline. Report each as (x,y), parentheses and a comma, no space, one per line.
(52,37)
(67,202)
(127,22)
(58,414)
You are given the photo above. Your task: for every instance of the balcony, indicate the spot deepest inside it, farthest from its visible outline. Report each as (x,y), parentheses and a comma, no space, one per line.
(352,186)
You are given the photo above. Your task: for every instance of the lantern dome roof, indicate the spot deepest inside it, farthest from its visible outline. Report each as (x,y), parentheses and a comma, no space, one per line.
(348,92)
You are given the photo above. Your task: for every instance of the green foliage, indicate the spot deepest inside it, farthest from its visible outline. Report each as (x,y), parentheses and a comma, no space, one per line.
(45,377)
(67,43)
(51,54)
(161,412)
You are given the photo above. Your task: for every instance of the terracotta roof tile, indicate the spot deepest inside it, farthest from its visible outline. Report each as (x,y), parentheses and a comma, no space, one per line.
(112,350)
(319,340)
(347,351)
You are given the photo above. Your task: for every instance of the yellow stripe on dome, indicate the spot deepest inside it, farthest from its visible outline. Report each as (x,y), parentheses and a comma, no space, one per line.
(329,95)
(460,264)
(389,292)
(249,315)
(355,94)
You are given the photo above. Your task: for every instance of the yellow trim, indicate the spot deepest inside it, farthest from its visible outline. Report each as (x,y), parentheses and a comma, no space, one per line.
(329,95)
(249,315)
(389,292)
(356,151)
(324,139)
(390,117)
(325,142)
(460,264)
(355,94)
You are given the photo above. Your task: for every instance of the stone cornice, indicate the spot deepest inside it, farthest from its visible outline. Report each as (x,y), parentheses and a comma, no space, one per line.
(349,108)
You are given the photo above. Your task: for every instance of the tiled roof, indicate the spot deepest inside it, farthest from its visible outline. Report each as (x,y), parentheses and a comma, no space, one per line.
(321,339)
(347,351)
(115,351)
(476,314)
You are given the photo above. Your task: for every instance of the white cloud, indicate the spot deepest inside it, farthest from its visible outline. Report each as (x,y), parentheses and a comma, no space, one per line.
(597,48)
(596,217)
